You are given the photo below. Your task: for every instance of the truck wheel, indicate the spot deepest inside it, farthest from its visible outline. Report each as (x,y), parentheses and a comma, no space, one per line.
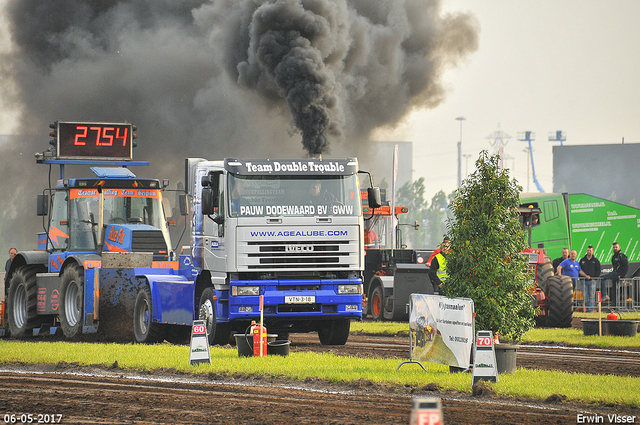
(145,329)
(560,294)
(545,271)
(376,303)
(71,301)
(219,333)
(335,332)
(22,302)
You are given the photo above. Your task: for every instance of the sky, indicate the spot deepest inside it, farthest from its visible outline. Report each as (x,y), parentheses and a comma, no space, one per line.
(541,66)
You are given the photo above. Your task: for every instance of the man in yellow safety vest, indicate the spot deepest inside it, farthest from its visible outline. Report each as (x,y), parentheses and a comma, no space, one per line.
(438,269)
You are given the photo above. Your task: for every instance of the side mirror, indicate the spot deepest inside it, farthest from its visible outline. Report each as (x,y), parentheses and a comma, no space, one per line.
(182,204)
(42,207)
(208,200)
(375,201)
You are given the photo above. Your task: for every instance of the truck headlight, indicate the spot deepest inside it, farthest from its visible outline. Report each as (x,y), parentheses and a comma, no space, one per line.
(350,289)
(243,291)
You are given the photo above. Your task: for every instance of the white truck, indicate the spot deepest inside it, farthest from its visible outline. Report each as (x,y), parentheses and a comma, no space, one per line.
(289,230)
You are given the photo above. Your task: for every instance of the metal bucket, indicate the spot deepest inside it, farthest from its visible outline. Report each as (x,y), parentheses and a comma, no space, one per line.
(506,358)
(280,347)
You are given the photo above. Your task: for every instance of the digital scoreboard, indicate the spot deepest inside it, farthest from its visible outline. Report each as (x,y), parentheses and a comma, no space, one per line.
(83,140)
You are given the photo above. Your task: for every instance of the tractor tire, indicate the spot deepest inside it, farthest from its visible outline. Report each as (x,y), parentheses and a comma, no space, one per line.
(545,272)
(71,301)
(560,295)
(219,333)
(22,302)
(376,303)
(146,331)
(335,332)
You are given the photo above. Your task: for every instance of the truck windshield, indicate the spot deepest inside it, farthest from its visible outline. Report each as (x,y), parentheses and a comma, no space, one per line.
(294,196)
(120,206)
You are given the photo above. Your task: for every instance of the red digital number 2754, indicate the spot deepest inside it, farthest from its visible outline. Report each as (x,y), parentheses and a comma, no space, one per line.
(104,135)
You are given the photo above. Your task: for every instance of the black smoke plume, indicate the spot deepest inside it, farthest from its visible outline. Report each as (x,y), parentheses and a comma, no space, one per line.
(220,78)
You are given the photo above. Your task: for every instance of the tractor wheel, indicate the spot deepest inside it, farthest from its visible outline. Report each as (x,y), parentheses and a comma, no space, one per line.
(544,272)
(560,295)
(376,303)
(335,332)
(22,302)
(71,301)
(145,329)
(219,333)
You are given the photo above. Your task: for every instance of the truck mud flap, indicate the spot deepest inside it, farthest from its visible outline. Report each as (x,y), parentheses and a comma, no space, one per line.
(408,279)
(118,291)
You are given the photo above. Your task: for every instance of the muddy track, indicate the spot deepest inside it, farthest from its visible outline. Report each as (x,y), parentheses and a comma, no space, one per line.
(112,396)
(108,397)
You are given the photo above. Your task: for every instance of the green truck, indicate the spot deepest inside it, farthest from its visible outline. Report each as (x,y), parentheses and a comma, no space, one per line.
(575,221)
(578,220)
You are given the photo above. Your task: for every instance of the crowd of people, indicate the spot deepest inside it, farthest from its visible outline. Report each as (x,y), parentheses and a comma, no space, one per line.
(589,268)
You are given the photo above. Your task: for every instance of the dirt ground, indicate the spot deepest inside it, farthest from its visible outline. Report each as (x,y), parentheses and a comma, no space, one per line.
(109,395)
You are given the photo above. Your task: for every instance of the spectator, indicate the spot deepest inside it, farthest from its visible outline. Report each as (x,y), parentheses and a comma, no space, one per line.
(620,264)
(438,269)
(591,266)
(570,267)
(437,250)
(7,266)
(557,261)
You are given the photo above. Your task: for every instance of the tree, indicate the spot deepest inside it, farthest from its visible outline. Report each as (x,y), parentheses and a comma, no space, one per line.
(435,220)
(487,239)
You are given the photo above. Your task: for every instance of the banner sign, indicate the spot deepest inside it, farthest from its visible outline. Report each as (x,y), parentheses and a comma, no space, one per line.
(442,329)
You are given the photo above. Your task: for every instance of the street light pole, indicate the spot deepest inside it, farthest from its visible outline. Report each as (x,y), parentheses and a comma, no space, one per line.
(460,152)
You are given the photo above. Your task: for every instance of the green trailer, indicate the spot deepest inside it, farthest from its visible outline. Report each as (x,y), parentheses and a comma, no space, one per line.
(578,220)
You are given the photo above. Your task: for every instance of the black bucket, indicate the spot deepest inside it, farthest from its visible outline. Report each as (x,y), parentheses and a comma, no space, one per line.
(280,347)
(244,342)
(591,327)
(623,327)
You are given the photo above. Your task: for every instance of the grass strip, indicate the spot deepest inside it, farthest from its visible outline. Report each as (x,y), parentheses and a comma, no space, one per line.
(326,366)
(575,337)
(571,337)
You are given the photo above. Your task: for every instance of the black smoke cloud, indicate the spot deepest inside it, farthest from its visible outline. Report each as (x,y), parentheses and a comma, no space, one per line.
(221,78)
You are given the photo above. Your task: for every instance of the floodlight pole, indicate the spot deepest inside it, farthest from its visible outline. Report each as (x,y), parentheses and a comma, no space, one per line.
(460,152)
(528,136)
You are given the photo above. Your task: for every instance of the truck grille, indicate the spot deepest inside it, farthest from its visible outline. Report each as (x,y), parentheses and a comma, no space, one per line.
(300,255)
(149,241)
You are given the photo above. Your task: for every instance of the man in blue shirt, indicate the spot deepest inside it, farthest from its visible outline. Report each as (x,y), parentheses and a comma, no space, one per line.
(570,267)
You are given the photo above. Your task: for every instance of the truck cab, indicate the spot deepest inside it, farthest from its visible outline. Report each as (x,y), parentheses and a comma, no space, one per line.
(286,231)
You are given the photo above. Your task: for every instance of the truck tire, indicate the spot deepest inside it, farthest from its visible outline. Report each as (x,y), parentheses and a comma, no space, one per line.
(219,333)
(71,301)
(376,303)
(145,329)
(335,332)
(22,302)
(560,296)
(545,272)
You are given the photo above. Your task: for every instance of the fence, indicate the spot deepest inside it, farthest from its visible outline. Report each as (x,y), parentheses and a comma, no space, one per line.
(623,296)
